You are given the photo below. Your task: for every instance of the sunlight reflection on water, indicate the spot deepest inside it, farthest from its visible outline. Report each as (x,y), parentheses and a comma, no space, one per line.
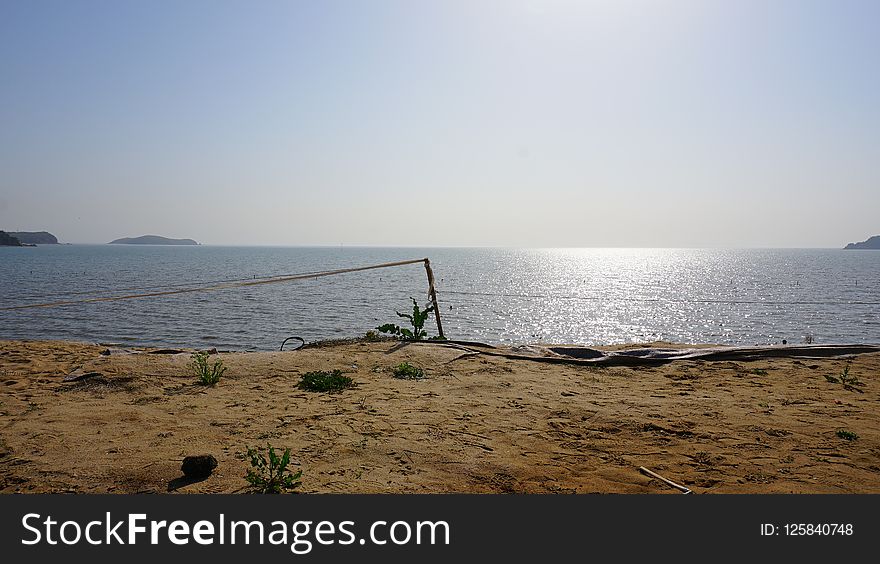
(586,296)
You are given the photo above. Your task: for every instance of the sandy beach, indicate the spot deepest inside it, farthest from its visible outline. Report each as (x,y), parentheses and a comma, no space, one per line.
(476,423)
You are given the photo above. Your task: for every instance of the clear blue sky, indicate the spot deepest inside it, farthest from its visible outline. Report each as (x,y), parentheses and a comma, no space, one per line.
(522,123)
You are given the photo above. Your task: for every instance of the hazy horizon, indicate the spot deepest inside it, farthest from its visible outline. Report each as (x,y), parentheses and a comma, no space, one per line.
(406,246)
(684,124)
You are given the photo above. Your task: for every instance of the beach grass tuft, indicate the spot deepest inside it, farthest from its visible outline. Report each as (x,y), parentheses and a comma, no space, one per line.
(373,336)
(325,381)
(208,374)
(850,382)
(269,474)
(407,371)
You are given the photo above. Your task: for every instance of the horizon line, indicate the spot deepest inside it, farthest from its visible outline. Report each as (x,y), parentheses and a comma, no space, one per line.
(465,246)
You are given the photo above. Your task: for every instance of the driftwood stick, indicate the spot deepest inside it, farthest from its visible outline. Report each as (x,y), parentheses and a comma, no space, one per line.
(679,487)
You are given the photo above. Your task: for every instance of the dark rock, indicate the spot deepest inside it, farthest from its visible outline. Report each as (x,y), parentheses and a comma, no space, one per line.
(870,243)
(199,466)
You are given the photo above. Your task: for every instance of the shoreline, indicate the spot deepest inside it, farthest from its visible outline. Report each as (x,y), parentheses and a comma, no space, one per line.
(476,424)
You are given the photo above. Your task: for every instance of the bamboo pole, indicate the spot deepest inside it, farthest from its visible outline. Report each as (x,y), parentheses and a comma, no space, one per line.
(433,295)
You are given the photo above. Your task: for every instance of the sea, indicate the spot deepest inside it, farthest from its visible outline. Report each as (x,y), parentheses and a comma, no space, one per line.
(493,295)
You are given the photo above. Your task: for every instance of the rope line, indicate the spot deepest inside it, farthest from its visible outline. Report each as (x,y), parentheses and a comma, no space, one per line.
(240,283)
(160,286)
(151,287)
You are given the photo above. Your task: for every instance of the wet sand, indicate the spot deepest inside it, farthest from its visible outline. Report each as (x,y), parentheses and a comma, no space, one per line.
(476,424)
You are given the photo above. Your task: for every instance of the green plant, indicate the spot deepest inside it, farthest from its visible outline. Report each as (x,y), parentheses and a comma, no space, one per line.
(850,382)
(417,320)
(373,336)
(208,375)
(406,371)
(847,435)
(324,381)
(271,476)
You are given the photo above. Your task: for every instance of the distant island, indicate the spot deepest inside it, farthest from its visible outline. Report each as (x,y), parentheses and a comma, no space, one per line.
(870,243)
(35,237)
(7,240)
(151,240)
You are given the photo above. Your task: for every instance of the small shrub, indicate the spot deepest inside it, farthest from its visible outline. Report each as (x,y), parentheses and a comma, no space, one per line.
(208,375)
(847,435)
(271,476)
(324,381)
(417,320)
(372,336)
(847,380)
(850,382)
(759,372)
(406,371)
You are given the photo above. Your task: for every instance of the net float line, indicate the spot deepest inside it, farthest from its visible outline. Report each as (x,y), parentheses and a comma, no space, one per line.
(249,282)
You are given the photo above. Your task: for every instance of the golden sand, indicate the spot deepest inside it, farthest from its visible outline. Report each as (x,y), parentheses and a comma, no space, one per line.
(475,424)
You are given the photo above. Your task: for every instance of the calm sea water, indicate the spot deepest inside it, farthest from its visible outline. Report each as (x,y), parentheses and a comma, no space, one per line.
(585,296)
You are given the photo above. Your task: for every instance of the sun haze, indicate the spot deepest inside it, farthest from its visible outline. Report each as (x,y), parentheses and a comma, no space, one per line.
(677,123)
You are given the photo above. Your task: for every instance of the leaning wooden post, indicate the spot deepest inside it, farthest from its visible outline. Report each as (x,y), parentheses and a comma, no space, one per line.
(433,295)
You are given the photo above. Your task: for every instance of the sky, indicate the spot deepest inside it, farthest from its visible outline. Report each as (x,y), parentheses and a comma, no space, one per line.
(605,123)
